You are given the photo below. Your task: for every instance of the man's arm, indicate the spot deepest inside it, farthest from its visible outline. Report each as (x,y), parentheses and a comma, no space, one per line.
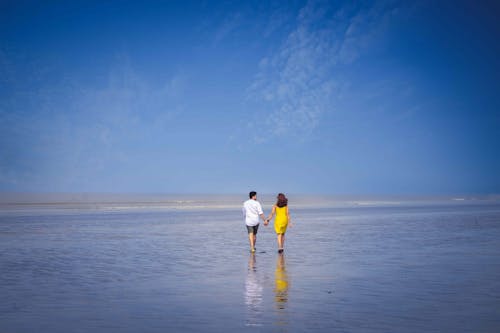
(261,214)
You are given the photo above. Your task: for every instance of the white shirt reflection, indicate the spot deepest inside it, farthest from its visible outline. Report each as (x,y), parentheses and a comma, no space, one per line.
(253,294)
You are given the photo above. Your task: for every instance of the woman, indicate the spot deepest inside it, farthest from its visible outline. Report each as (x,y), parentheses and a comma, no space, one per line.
(281,221)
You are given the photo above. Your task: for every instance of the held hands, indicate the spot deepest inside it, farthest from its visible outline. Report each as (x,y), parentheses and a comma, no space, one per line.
(266,222)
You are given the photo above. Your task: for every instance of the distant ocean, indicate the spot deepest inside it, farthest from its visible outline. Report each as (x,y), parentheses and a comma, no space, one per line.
(166,263)
(111,202)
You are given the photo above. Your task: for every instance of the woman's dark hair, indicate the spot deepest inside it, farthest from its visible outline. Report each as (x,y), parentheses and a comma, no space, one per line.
(282,200)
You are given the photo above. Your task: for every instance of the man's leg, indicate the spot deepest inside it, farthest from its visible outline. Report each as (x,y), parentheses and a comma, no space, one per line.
(251,238)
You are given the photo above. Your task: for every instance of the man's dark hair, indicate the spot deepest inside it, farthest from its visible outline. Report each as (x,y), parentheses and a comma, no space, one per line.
(252,194)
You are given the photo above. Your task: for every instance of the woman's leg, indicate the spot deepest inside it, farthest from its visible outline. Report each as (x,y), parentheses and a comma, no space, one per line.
(280,241)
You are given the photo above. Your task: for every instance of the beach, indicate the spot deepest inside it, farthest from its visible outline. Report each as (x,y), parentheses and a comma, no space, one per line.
(182,265)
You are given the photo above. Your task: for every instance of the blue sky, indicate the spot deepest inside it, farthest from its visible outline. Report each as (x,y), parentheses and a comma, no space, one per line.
(287,96)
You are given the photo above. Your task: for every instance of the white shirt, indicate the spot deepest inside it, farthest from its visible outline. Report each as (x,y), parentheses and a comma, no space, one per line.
(251,210)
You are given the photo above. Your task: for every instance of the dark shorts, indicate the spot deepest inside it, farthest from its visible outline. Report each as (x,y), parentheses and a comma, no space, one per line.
(253,229)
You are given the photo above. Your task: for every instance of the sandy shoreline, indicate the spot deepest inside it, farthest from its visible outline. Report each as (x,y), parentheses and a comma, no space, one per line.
(64,202)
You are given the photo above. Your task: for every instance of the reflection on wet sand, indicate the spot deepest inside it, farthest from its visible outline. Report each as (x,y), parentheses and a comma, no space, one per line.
(281,290)
(253,293)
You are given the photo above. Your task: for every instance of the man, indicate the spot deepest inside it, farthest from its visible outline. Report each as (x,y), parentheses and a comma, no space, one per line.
(252,210)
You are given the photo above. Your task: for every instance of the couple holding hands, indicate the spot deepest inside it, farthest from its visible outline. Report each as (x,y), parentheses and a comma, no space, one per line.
(252,210)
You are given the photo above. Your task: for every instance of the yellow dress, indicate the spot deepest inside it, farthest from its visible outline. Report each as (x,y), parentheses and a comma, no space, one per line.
(281,220)
(281,288)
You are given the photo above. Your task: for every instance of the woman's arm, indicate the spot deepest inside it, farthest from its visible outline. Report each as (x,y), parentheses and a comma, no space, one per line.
(288,216)
(273,211)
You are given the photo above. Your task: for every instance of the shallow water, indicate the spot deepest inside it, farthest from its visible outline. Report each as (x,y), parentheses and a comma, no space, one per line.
(372,269)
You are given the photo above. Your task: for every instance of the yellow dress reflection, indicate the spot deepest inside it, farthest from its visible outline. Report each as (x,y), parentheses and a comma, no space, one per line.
(281,283)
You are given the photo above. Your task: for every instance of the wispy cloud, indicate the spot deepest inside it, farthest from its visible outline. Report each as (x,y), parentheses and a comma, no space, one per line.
(81,129)
(230,24)
(297,85)
(261,19)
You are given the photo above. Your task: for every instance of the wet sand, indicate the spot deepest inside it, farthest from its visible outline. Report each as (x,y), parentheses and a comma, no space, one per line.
(417,268)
